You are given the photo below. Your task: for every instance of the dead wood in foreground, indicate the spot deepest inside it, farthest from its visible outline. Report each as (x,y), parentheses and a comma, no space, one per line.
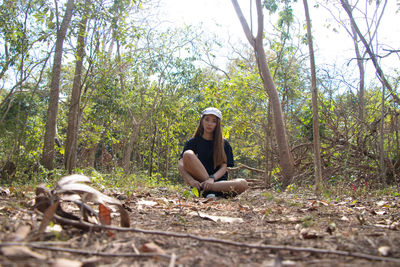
(183,235)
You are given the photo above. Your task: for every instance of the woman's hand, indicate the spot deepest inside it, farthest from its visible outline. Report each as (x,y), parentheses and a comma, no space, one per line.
(195,183)
(207,184)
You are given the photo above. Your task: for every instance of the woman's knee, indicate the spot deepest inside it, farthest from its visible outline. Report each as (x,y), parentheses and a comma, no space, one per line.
(188,154)
(188,157)
(242,185)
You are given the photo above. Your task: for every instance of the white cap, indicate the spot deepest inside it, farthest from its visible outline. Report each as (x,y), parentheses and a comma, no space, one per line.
(212,111)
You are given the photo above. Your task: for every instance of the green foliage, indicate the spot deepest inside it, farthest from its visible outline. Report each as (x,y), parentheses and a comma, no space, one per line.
(291,188)
(271,5)
(147,87)
(307,221)
(305,129)
(188,194)
(268,195)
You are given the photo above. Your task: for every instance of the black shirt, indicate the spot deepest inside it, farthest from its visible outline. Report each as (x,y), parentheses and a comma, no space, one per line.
(204,150)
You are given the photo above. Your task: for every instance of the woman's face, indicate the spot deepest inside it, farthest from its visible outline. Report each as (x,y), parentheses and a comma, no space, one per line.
(209,123)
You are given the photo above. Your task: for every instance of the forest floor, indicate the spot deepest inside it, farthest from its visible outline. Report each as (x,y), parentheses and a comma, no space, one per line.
(258,228)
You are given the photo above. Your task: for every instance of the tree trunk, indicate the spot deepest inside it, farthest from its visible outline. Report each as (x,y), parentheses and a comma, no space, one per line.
(268,147)
(382,139)
(51,123)
(361,70)
(285,156)
(168,151)
(314,93)
(152,141)
(126,157)
(126,160)
(71,145)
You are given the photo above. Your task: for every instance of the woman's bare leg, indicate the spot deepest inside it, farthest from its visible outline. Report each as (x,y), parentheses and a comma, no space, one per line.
(193,166)
(235,187)
(187,177)
(191,169)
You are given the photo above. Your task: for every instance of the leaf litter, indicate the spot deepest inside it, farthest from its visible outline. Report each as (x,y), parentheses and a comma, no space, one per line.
(78,225)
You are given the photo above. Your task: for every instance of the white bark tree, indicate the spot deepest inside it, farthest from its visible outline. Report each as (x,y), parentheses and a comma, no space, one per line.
(285,155)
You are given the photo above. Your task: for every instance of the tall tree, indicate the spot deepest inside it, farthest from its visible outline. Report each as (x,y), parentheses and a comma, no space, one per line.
(20,36)
(370,52)
(285,156)
(372,30)
(385,83)
(361,69)
(71,144)
(51,123)
(314,93)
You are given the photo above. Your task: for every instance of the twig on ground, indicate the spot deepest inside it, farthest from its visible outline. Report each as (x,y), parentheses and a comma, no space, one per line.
(39,245)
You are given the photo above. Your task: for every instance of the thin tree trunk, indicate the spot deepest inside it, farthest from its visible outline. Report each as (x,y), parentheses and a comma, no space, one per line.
(127,152)
(152,140)
(285,156)
(158,153)
(167,160)
(382,139)
(71,145)
(314,92)
(396,155)
(361,70)
(267,148)
(51,123)
(126,159)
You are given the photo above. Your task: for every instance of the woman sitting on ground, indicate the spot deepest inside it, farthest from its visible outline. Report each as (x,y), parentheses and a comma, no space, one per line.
(206,157)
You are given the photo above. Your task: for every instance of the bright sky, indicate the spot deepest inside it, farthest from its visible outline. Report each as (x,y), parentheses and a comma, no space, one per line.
(219,16)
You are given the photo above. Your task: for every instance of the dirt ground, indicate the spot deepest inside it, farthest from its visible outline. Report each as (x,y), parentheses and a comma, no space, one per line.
(257,228)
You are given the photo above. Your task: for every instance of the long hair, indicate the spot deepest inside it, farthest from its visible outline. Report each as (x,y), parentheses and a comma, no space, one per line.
(218,149)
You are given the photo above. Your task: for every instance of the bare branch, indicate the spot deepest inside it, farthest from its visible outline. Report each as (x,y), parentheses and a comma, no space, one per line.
(378,69)
(260,21)
(242,166)
(38,245)
(218,241)
(243,21)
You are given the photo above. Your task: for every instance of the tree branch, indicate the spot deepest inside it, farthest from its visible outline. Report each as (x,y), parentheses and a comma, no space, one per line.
(378,69)
(243,21)
(242,166)
(220,241)
(260,21)
(38,245)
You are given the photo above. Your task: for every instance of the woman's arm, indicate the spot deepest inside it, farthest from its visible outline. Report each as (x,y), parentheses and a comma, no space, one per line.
(217,175)
(221,171)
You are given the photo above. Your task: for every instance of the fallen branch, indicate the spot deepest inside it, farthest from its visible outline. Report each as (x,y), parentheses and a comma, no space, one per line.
(225,242)
(38,245)
(242,166)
